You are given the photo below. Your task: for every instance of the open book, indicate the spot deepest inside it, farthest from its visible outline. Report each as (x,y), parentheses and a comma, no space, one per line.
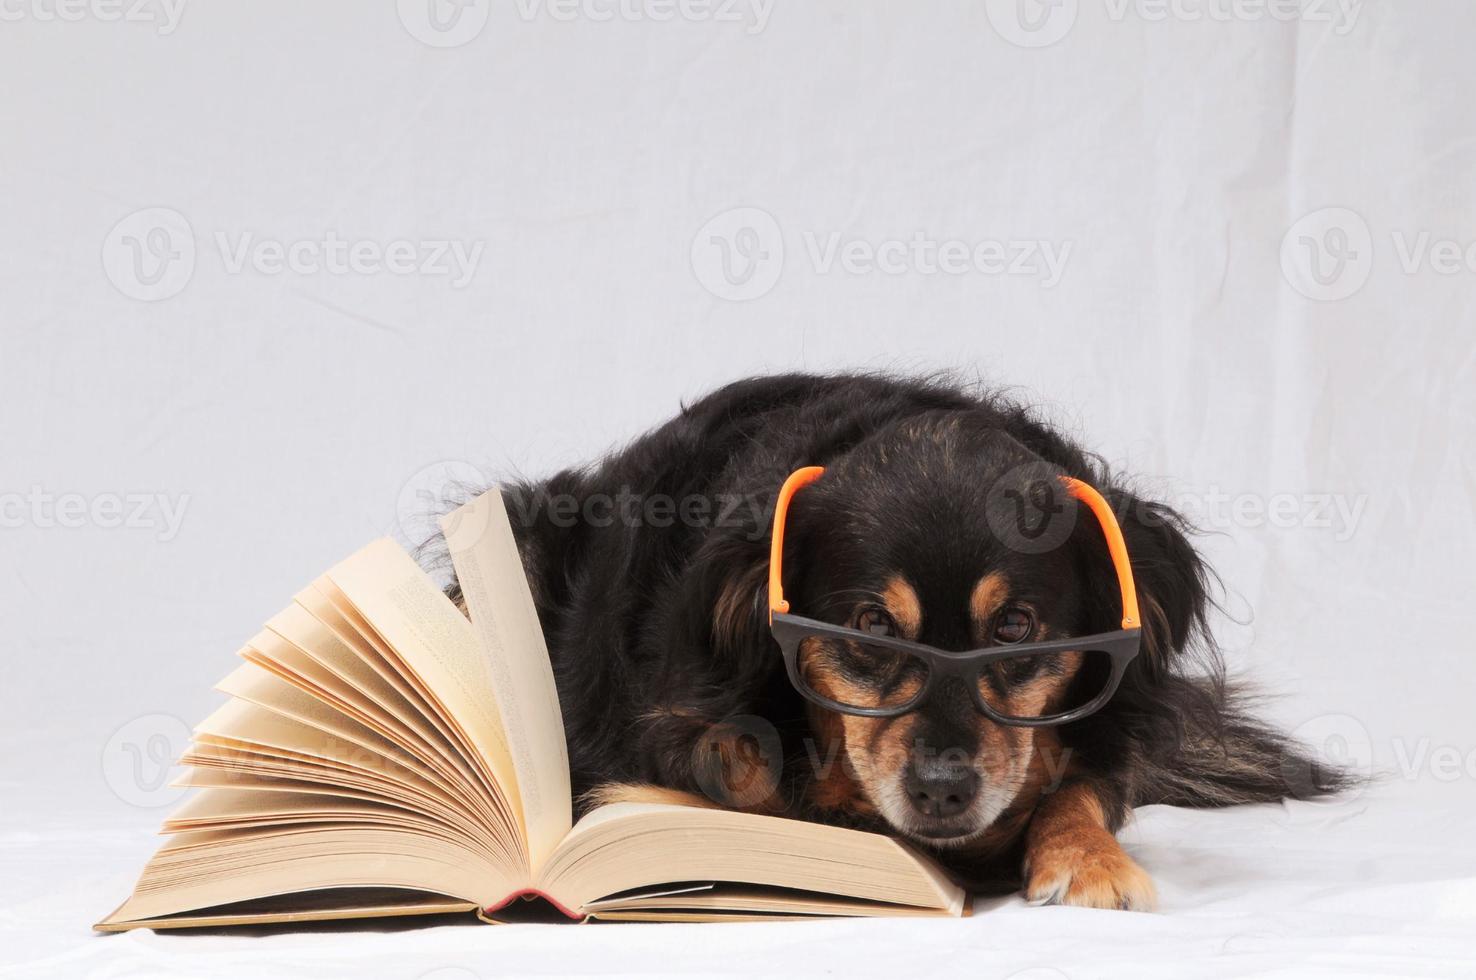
(383,754)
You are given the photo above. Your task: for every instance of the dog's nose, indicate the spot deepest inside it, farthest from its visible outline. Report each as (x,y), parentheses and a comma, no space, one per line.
(941,789)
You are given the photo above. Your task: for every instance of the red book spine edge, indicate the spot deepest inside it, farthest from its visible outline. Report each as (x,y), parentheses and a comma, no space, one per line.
(533,893)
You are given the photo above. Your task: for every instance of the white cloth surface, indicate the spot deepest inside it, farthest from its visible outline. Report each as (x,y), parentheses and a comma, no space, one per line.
(272,419)
(1382,884)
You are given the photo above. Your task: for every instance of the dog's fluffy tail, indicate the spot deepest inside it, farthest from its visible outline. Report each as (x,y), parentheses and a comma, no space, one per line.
(1225,757)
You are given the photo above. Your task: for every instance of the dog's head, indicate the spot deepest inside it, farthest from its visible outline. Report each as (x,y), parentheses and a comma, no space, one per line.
(952,535)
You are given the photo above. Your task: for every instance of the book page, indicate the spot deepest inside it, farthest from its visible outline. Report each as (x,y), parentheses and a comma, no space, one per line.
(300,627)
(439,647)
(731,902)
(202,869)
(257,686)
(500,604)
(624,846)
(241,766)
(315,906)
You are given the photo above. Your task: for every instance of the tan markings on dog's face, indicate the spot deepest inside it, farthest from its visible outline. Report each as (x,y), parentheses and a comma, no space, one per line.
(866,675)
(901,601)
(858,674)
(858,755)
(1035,694)
(988,597)
(1012,761)
(835,785)
(854,759)
(1021,691)
(862,763)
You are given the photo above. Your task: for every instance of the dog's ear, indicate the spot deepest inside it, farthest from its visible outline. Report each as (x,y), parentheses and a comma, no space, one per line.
(719,606)
(738,610)
(1172,579)
(732,571)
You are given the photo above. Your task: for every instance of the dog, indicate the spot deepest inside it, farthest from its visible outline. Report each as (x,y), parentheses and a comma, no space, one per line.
(649,572)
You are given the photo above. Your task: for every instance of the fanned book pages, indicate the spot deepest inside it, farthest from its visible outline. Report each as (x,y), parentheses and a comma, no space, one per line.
(383,754)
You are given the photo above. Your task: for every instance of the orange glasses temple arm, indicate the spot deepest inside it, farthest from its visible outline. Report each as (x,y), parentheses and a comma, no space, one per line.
(1115,546)
(797,479)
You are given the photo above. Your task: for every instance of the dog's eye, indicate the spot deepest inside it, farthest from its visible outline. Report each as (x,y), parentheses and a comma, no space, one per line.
(877,622)
(1013,625)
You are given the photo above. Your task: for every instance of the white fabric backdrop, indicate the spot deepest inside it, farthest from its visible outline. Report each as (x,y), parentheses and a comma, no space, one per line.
(1237,259)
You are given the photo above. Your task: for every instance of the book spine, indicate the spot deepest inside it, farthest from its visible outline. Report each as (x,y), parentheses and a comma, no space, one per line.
(532,893)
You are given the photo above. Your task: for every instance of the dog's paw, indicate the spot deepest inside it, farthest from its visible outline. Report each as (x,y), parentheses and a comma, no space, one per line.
(607,793)
(1090,871)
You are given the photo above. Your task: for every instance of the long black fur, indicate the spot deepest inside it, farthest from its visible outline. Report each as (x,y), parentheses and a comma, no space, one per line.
(648,657)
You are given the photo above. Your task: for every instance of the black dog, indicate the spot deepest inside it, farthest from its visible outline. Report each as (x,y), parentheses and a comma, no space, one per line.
(649,572)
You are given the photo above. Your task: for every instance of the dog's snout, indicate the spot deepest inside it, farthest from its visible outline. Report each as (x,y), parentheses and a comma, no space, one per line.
(939,788)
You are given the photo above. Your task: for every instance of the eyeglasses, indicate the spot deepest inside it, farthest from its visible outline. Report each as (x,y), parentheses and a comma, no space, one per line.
(1026,684)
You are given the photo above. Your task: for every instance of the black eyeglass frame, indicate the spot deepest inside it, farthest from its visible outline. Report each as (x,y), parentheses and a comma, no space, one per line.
(1119,645)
